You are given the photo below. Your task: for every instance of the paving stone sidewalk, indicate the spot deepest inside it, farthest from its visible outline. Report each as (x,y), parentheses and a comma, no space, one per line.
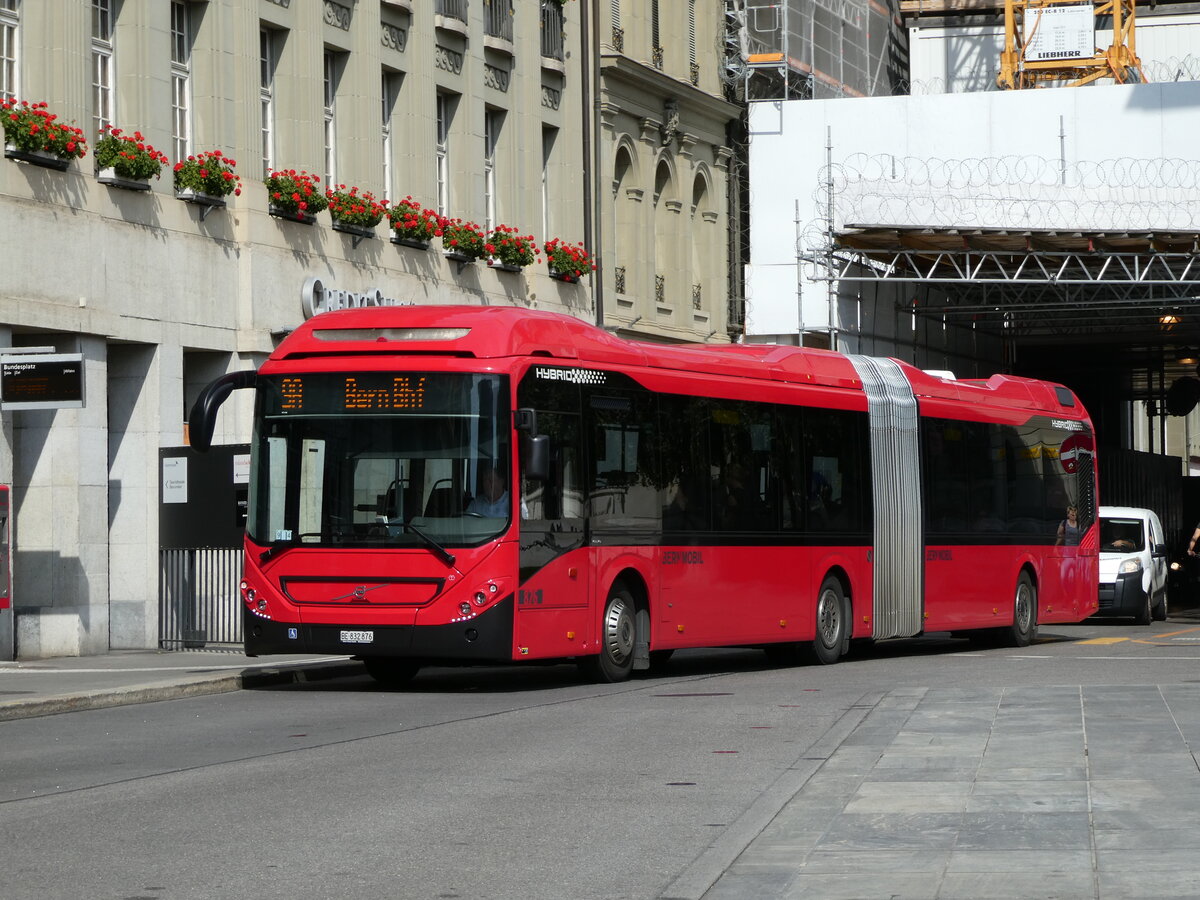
(1012,794)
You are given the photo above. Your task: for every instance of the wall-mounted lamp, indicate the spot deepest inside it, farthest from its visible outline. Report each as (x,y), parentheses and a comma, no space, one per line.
(1169,319)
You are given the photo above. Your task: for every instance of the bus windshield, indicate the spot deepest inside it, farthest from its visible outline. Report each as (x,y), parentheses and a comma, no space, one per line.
(380,459)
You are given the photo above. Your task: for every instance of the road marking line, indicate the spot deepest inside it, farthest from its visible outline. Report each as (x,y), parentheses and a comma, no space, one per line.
(1173,633)
(1088,656)
(1107,640)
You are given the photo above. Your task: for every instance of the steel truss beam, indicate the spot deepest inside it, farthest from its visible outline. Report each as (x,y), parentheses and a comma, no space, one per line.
(976,266)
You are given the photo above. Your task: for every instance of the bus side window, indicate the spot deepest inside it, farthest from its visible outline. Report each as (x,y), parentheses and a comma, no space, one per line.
(560,496)
(836,474)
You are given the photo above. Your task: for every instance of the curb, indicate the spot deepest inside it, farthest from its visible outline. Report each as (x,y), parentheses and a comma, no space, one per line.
(193,686)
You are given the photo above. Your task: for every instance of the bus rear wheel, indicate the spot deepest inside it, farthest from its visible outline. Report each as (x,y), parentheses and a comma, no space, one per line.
(618,638)
(391,672)
(832,624)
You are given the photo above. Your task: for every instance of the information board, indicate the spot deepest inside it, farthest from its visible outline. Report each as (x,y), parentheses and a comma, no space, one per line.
(41,381)
(1060,31)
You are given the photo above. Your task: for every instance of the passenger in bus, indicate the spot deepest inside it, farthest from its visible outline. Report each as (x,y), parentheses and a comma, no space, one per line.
(739,507)
(1068,529)
(683,513)
(492,499)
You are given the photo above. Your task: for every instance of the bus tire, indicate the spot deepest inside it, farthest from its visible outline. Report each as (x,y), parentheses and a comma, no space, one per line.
(391,672)
(618,639)
(832,623)
(1023,630)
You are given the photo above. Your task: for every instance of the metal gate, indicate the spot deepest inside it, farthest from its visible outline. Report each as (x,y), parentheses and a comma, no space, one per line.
(202,517)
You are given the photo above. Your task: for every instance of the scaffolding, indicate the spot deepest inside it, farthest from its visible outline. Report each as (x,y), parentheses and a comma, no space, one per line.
(793,50)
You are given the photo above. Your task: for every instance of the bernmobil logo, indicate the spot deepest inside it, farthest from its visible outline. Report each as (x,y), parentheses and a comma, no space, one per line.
(578,376)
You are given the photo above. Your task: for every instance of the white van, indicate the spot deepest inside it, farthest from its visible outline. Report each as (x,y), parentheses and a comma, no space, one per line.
(1133,564)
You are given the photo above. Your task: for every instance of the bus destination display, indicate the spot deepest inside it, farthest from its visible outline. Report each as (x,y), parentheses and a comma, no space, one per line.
(356,393)
(50,381)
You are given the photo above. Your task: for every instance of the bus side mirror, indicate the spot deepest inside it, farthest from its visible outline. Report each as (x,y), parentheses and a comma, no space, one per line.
(537,457)
(526,420)
(203,418)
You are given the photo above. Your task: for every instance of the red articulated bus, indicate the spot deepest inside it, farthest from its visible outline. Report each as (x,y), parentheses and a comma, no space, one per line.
(450,485)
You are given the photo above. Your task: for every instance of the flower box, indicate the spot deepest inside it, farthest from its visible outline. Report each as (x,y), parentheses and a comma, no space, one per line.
(127,161)
(458,256)
(410,242)
(110,177)
(34,135)
(412,225)
(568,277)
(206,178)
(191,195)
(361,231)
(37,158)
(303,218)
(293,195)
(503,267)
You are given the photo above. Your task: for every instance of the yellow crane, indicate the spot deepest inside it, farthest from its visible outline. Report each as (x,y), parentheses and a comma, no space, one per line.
(1053,42)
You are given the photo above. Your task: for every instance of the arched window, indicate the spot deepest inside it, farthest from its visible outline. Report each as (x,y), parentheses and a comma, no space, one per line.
(625,219)
(664,259)
(702,249)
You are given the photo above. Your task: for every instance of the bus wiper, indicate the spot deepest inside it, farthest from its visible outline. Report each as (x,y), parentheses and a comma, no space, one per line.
(438,550)
(276,549)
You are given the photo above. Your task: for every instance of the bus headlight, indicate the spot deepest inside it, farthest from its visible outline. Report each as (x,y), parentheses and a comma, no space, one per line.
(1129,566)
(480,598)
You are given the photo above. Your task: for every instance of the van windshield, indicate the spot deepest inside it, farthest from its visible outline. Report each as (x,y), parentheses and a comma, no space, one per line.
(1122,535)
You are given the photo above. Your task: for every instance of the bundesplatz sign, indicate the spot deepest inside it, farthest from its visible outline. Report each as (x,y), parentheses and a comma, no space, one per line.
(41,381)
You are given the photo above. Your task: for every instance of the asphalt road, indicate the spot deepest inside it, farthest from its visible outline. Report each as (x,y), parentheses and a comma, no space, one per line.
(485,783)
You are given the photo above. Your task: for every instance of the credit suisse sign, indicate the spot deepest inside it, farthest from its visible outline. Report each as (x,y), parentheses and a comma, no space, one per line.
(317,297)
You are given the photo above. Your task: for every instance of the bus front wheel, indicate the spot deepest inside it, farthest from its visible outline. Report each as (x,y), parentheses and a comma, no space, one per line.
(618,638)
(832,623)
(1023,630)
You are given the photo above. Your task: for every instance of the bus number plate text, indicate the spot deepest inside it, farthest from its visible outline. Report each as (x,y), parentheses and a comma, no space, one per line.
(358,637)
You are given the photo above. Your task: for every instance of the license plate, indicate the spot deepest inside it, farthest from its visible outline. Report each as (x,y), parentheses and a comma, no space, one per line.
(358,637)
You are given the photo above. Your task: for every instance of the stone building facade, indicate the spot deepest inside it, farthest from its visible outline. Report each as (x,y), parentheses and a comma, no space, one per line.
(493,111)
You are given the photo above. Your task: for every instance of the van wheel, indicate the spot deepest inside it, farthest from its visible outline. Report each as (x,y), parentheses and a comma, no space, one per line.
(618,638)
(1144,614)
(1023,630)
(826,647)
(1160,611)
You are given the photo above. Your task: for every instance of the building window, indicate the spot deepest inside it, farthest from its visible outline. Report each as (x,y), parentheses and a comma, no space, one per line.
(493,120)
(498,19)
(693,62)
(267,60)
(656,48)
(552,29)
(549,136)
(390,92)
(102,64)
(445,113)
(329,111)
(451,9)
(181,80)
(10,18)
(618,33)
